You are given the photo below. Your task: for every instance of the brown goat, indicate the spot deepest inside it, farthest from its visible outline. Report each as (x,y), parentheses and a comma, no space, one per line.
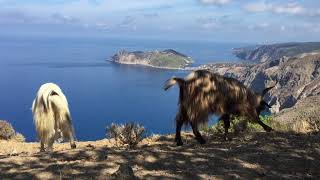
(203,93)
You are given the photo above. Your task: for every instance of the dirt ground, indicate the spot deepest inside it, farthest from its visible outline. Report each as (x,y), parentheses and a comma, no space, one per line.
(259,155)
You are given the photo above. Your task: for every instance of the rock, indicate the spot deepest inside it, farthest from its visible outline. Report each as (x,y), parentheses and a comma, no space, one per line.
(303,117)
(296,78)
(124,172)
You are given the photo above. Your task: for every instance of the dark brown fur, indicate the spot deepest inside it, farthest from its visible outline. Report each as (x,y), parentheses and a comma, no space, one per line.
(203,93)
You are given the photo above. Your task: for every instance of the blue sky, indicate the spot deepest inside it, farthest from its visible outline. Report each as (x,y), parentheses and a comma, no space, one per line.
(214,20)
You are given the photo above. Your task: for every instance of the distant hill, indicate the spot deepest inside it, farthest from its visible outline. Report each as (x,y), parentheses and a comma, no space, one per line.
(169,59)
(263,53)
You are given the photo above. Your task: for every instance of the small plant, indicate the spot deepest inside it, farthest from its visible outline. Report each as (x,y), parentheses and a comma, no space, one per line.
(238,125)
(8,133)
(18,138)
(6,130)
(128,134)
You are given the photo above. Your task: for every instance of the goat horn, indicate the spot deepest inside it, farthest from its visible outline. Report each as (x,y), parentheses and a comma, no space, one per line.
(266,104)
(268,89)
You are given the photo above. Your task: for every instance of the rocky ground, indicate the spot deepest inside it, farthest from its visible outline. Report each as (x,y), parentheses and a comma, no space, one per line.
(259,155)
(303,117)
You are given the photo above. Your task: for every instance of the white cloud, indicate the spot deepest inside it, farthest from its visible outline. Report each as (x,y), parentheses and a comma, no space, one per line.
(59,18)
(262,6)
(315,12)
(291,8)
(215,2)
(209,23)
(258,7)
(309,27)
(259,26)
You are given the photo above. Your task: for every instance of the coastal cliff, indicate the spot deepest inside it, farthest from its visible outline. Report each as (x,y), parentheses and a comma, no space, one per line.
(297,77)
(264,53)
(296,96)
(167,59)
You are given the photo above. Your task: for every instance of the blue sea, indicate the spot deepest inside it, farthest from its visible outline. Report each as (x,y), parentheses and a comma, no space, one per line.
(99,92)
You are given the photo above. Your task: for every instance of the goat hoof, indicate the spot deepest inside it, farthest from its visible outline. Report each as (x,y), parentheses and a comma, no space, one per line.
(269,129)
(179,143)
(73,146)
(202,141)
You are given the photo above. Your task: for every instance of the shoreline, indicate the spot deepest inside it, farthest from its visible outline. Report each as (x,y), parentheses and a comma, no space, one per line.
(146,65)
(188,68)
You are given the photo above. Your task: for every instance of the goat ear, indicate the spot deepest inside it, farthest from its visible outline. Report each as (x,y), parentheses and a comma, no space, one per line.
(266,104)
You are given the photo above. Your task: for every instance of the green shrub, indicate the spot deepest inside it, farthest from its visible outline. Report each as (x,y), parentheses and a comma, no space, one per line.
(6,130)
(128,134)
(238,125)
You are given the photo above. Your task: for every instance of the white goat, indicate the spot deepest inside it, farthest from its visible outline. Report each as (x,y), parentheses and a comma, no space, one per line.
(51,116)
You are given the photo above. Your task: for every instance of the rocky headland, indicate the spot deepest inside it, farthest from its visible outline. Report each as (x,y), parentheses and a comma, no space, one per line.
(264,53)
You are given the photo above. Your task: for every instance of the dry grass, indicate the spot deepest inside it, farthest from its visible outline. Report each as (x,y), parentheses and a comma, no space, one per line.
(7,132)
(254,156)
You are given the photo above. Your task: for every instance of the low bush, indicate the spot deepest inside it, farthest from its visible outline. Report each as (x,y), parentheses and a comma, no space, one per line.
(18,138)
(8,133)
(126,134)
(6,130)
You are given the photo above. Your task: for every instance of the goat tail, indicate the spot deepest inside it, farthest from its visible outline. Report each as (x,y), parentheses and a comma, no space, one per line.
(173,81)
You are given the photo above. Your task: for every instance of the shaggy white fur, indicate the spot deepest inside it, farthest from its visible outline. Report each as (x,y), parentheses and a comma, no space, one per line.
(51,116)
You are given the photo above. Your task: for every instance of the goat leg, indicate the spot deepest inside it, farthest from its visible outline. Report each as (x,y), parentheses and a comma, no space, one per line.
(264,126)
(42,146)
(50,144)
(72,143)
(226,123)
(196,132)
(178,133)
